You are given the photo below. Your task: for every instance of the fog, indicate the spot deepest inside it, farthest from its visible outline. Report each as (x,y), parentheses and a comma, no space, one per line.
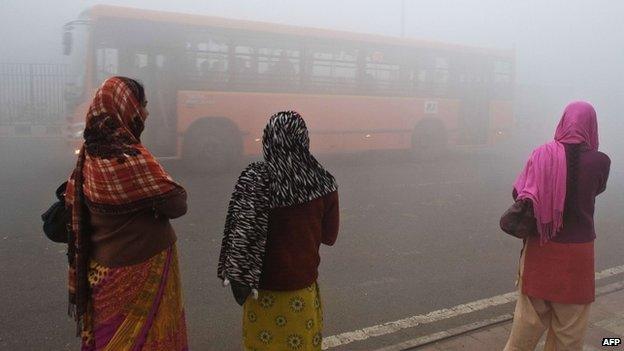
(558,42)
(414,223)
(573,46)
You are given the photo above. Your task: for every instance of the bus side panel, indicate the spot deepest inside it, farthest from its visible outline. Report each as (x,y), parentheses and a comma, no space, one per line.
(502,120)
(336,123)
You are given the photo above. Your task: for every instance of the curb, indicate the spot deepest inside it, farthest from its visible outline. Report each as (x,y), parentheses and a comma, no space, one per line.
(467,328)
(447,334)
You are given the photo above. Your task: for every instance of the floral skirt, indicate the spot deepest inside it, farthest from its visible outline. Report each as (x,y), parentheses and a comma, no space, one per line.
(136,308)
(284,320)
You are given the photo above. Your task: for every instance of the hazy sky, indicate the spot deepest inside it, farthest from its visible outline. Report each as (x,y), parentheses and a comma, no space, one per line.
(560,42)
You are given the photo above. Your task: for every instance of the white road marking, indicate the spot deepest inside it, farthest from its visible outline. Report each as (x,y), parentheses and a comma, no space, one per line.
(610,272)
(410,322)
(435,316)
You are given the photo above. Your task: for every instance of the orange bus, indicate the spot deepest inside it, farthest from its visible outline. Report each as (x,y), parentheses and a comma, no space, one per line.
(213,82)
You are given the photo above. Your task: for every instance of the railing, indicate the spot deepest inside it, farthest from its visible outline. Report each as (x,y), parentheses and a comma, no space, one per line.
(32,93)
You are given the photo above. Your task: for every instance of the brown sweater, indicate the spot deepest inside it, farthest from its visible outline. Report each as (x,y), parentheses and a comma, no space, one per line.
(127,239)
(295,235)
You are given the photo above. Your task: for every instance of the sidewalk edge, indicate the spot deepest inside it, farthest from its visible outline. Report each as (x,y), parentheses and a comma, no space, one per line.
(467,328)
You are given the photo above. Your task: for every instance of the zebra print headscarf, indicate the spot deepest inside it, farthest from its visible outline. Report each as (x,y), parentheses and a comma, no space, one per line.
(296,176)
(289,176)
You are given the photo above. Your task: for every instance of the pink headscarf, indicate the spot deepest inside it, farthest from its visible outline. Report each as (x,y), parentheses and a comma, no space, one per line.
(543,179)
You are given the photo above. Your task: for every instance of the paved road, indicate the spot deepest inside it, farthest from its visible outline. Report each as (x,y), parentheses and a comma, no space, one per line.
(415,237)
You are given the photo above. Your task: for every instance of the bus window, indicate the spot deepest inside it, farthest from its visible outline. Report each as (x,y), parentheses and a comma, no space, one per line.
(139,66)
(140,61)
(464,74)
(207,58)
(322,65)
(107,63)
(502,71)
(333,70)
(279,67)
(345,65)
(244,66)
(415,75)
(381,70)
(211,60)
(502,79)
(160,61)
(441,76)
(421,78)
(470,72)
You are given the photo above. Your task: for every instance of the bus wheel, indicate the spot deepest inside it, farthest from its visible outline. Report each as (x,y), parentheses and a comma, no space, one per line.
(212,145)
(429,140)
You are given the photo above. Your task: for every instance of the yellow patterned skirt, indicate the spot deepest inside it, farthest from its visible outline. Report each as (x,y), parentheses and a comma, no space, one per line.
(284,320)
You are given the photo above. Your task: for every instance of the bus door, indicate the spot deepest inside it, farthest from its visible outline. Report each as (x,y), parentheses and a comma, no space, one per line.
(137,51)
(156,70)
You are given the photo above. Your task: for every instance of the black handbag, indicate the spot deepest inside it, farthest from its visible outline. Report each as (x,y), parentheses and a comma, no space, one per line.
(519,220)
(57,218)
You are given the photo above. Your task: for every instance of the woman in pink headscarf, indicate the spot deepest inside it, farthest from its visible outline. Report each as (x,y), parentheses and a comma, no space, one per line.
(562,179)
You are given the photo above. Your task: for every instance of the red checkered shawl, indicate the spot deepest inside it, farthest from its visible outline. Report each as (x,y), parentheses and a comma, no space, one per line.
(114,174)
(111,186)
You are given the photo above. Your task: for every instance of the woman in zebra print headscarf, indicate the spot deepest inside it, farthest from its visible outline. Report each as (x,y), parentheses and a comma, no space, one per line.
(281,210)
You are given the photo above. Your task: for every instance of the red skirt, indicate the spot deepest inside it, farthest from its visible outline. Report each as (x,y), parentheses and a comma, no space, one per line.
(561,273)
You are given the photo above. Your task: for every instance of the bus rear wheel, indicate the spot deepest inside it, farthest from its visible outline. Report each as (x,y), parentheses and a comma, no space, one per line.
(429,140)
(212,145)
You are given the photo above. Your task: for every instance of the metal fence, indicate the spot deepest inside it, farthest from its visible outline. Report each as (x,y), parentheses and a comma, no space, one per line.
(32,93)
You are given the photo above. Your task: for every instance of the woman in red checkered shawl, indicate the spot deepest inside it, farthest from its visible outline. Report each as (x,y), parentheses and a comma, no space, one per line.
(124,283)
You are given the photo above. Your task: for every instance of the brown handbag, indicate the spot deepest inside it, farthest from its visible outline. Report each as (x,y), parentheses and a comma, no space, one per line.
(519,219)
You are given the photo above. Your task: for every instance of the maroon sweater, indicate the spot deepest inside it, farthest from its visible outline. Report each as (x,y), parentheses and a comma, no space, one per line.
(295,235)
(593,172)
